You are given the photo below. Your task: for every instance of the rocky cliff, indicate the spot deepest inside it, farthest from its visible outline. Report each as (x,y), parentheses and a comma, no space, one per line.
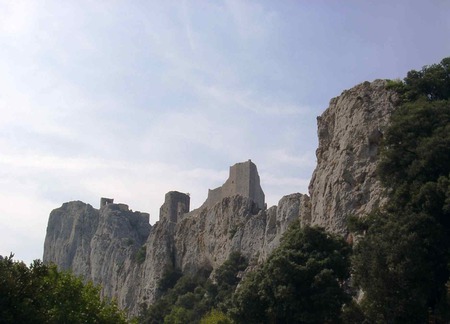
(350,131)
(118,249)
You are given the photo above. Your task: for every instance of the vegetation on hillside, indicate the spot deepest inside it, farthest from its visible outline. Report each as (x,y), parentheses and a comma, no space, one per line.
(41,294)
(401,263)
(188,298)
(301,282)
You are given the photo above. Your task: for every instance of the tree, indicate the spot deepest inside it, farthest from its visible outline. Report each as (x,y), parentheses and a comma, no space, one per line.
(226,279)
(215,317)
(301,282)
(401,263)
(187,298)
(432,83)
(42,294)
(401,267)
(414,163)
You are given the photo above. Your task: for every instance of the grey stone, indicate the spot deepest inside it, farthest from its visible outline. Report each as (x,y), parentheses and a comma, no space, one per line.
(350,131)
(118,249)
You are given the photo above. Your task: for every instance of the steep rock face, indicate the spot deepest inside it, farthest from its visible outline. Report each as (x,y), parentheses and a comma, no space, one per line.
(68,239)
(99,245)
(115,249)
(159,255)
(350,130)
(204,238)
(119,249)
(290,208)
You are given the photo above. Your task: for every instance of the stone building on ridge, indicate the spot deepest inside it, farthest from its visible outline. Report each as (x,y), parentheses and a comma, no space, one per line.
(244,181)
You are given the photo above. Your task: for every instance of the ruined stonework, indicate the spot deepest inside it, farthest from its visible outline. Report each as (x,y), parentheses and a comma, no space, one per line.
(176,204)
(105,201)
(104,245)
(118,249)
(350,130)
(244,181)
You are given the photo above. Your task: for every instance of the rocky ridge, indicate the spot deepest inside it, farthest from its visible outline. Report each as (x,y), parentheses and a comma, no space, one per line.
(118,249)
(350,131)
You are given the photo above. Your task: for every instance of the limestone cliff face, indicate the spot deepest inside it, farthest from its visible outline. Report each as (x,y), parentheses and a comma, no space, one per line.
(206,237)
(118,249)
(68,239)
(350,130)
(100,245)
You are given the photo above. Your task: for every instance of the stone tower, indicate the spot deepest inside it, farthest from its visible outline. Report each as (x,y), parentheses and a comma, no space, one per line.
(106,201)
(175,205)
(244,181)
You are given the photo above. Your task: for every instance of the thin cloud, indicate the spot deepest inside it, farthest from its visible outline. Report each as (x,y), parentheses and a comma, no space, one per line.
(252,20)
(135,99)
(16,17)
(282,156)
(188,25)
(249,101)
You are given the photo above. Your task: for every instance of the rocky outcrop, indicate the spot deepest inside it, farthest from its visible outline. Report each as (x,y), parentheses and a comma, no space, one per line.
(100,245)
(350,131)
(68,239)
(118,249)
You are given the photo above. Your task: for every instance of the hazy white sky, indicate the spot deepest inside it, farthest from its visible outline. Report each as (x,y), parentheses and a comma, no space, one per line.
(131,99)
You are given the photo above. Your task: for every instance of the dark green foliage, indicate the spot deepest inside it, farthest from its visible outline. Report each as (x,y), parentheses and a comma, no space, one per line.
(301,282)
(41,294)
(227,278)
(401,267)
(215,317)
(432,83)
(140,255)
(169,279)
(416,145)
(353,314)
(402,261)
(187,298)
(129,242)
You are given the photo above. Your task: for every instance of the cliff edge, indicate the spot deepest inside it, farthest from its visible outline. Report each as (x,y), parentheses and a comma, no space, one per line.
(117,248)
(350,132)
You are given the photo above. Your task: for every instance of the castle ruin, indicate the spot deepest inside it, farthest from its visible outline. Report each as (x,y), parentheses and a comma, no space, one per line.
(106,201)
(244,181)
(176,204)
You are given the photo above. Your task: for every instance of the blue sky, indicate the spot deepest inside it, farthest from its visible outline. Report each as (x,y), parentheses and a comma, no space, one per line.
(131,99)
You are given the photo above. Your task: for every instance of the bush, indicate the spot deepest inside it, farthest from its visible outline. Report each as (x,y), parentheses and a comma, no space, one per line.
(301,282)
(42,294)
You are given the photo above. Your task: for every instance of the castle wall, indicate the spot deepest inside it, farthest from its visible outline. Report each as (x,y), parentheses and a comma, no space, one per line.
(214,196)
(175,205)
(243,180)
(255,190)
(106,201)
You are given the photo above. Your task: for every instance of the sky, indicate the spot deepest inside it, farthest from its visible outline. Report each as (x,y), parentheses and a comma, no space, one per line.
(132,99)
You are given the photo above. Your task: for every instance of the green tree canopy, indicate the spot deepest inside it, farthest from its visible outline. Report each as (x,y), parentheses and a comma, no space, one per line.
(42,294)
(432,83)
(301,282)
(188,299)
(402,261)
